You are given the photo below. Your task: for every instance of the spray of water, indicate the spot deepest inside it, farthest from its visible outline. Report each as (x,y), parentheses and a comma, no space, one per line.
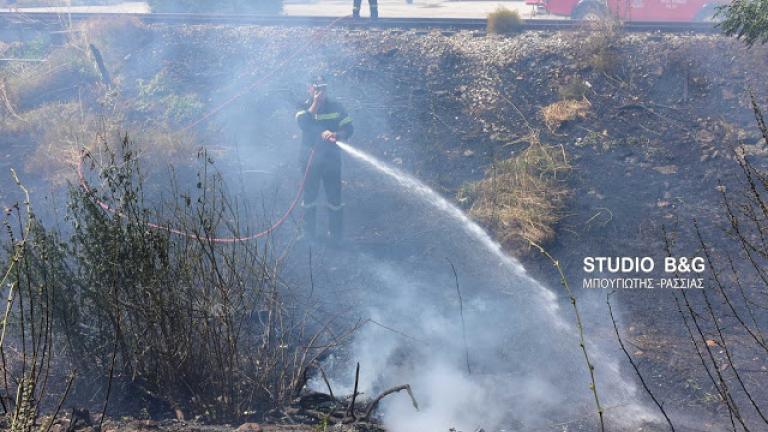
(426,193)
(524,353)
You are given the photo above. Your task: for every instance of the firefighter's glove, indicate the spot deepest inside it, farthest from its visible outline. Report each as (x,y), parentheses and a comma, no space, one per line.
(329,137)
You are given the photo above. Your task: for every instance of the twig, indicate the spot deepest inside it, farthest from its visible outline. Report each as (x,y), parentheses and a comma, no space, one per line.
(634,366)
(350,417)
(61,401)
(580,326)
(461,313)
(395,331)
(311,275)
(386,393)
(327,384)
(109,385)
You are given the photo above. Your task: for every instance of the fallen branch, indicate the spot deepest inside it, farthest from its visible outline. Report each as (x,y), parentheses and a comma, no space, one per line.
(375,402)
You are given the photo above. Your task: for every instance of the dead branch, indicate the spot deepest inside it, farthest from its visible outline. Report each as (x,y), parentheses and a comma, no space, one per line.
(61,401)
(328,384)
(350,416)
(375,402)
(100,65)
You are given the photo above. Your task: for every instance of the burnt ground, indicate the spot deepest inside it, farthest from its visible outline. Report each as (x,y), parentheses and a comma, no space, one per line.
(666,112)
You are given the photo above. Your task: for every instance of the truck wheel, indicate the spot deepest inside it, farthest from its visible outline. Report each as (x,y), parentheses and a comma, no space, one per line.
(589,11)
(707,14)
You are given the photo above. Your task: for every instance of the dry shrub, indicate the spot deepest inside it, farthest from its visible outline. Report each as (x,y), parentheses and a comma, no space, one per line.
(562,111)
(504,21)
(57,131)
(115,37)
(64,70)
(60,131)
(599,45)
(521,197)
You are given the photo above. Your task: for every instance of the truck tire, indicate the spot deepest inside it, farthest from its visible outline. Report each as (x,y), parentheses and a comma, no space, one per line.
(589,11)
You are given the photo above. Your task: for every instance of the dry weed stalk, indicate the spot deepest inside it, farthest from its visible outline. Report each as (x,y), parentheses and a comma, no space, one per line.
(579,327)
(720,332)
(27,326)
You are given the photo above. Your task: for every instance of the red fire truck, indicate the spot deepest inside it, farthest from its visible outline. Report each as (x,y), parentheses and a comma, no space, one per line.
(632,10)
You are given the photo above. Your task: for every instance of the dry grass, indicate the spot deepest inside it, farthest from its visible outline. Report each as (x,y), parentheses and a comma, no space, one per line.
(63,71)
(599,45)
(522,197)
(562,111)
(60,131)
(504,21)
(120,34)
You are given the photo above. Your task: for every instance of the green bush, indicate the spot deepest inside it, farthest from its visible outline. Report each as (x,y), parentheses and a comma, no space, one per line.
(179,322)
(192,323)
(262,7)
(745,19)
(504,21)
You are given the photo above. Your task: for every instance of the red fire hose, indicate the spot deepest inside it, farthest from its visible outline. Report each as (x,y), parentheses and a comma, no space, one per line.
(86,187)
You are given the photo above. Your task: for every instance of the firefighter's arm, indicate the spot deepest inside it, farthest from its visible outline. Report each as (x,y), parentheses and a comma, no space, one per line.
(345,128)
(304,119)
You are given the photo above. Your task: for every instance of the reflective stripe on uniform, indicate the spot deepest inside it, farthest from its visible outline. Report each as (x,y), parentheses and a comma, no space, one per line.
(328,116)
(333,207)
(308,205)
(347,120)
(300,113)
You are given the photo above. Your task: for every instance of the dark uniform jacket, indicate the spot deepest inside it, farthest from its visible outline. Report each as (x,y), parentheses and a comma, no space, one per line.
(330,116)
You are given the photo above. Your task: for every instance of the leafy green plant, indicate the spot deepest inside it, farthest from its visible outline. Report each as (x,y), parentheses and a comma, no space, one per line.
(197,325)
(745,19)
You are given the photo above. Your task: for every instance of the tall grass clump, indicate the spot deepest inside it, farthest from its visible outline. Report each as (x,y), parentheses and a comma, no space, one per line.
(521,198)
(504,21)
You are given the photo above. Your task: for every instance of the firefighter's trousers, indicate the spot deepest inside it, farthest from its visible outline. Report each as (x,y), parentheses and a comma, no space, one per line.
(327,174)
(373,4)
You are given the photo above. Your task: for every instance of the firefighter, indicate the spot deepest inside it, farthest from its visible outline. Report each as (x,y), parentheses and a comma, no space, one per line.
(373,4)
(322,122)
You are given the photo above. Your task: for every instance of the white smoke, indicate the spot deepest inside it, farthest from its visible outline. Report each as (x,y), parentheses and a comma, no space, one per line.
(525,365)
